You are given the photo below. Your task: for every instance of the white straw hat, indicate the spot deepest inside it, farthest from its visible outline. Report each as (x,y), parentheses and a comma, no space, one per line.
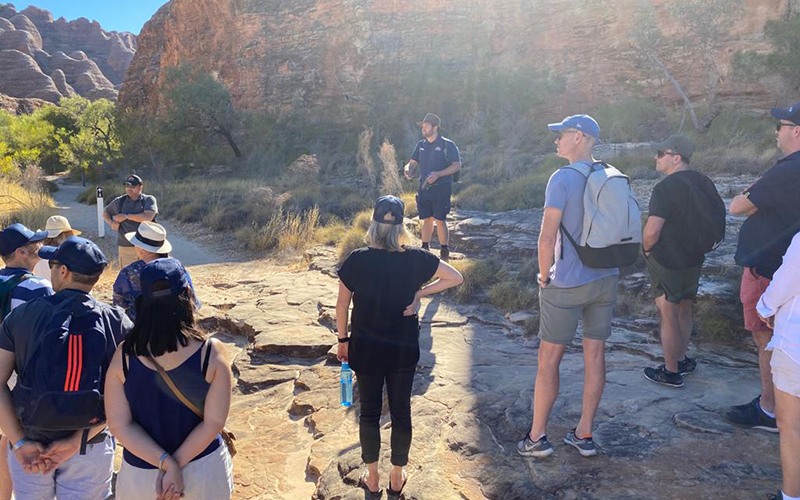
(58,224)
(151,237)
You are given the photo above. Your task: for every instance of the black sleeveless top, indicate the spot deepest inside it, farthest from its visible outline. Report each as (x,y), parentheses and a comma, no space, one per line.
(158,411)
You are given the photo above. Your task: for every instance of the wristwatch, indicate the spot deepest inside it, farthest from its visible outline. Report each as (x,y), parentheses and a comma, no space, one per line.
(541,281)
(342,340)
(19,444)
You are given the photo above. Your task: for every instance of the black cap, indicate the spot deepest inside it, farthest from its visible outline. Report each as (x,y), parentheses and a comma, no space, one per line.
(78,254)
(792,113)
(133,180)
(432,119)
(17,235)
(389,205)
(679,144)
(169,270)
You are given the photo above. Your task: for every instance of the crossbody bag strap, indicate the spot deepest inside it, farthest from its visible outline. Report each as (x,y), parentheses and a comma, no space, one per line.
(172,387)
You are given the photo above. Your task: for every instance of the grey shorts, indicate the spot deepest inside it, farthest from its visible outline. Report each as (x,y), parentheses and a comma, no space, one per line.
(560,310)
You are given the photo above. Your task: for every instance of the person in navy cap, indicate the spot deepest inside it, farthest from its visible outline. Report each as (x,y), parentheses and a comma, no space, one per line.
(61,346)
(772,207)
(170,447)
(19,247)
(438,160)
(126,212)
(385,282)
(569,291)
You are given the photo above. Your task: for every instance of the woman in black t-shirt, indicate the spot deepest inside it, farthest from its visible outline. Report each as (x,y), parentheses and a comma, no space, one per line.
(385,283)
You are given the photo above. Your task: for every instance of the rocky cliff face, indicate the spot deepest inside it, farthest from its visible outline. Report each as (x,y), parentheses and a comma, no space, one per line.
(291,56)
(45,59)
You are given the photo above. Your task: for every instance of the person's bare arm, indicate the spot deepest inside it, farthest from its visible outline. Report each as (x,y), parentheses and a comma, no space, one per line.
(146,216)
(447,277)
(409,168)
(652,232)
(741,205)
(547,239)
(9,422)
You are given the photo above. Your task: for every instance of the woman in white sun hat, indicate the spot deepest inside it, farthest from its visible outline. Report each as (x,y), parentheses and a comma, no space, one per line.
(58,230)
(150,242)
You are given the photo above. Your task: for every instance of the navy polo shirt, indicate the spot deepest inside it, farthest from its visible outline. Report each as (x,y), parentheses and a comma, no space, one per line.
(434,157)
(765,236)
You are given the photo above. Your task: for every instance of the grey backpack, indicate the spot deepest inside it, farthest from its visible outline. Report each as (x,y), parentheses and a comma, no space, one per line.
(612,223)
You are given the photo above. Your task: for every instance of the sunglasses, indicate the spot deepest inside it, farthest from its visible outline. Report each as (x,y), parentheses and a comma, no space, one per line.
(54,263)
(780,125)
(661,154)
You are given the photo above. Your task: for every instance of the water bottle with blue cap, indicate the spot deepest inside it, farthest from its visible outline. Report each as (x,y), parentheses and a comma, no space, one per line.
(346,385)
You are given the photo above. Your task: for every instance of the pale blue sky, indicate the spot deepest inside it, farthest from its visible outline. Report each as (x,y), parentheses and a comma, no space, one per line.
(113,15)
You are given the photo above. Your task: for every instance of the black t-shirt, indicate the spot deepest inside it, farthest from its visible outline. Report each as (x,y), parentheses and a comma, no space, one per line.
(766,234)
(672,201)
(383,285)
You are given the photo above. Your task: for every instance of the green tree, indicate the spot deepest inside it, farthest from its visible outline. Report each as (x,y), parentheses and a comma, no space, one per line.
(197,102)
(96,142)
(784,60)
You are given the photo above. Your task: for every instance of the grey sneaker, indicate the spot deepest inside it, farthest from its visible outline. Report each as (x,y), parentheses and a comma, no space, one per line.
(585,446)
(687,366)
(538,449)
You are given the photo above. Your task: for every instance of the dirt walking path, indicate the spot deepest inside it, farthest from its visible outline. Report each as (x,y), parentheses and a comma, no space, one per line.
(84,218)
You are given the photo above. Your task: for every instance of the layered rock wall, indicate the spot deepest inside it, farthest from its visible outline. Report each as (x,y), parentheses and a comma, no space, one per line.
(290,56)
(46,59)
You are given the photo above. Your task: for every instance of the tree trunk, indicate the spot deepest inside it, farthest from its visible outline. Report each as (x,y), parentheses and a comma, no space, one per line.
(663,67)
(228,137)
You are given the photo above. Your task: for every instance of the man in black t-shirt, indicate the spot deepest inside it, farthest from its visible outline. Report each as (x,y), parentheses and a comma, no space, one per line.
(673,261)
(772,207)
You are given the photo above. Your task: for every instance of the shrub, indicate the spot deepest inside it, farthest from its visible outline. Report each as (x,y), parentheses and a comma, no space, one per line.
(352,240)
(110,191)
(512,295)
(478,275)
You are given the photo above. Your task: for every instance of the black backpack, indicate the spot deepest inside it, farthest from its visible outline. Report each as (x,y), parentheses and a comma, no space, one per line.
(60,387)
(707,213)
(6,289)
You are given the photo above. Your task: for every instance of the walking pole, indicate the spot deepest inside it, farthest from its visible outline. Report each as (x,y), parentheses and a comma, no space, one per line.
(101,227)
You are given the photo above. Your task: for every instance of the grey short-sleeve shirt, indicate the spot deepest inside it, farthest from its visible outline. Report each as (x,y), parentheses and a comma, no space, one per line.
(124,205)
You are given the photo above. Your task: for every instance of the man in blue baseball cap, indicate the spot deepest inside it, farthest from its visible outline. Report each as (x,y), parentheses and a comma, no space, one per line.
(772,207)
(61,345)
(568,292)
(19,247)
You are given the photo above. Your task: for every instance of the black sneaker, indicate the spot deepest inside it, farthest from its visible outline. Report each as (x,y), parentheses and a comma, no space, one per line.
(753,403)
(778,496)
(662,376)
(687,366)
(538,449)
(585,446)
(444,253)
(751,415)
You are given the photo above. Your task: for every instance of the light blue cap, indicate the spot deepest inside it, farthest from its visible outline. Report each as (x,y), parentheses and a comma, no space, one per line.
(584,123)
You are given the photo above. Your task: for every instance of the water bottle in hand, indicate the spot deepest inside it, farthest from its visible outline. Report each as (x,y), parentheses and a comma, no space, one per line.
(346,385)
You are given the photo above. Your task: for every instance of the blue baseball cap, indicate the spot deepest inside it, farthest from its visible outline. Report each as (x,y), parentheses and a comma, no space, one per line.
(584,123)
(17,235)
(389,205)
(169,270)
(78,254)
(792,113)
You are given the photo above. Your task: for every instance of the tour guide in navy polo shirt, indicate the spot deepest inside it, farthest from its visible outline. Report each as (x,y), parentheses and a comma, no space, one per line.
(438,159)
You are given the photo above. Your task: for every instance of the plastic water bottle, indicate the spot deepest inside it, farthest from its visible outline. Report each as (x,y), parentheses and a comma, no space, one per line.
(346,385)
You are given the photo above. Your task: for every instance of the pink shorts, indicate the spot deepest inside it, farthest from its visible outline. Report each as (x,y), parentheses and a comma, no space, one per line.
(753,287)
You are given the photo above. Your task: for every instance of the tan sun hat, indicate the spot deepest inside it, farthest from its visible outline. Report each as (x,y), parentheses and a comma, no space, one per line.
(56,225)
(151,237)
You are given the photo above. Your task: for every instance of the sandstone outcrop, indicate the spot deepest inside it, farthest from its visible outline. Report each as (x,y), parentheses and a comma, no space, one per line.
(352,54)
(95,67)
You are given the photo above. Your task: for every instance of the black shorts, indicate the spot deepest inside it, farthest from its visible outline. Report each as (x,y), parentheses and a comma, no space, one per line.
(435,202)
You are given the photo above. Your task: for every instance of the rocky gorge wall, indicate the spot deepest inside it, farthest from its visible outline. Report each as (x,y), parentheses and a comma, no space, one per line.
(45,59)
(354,54)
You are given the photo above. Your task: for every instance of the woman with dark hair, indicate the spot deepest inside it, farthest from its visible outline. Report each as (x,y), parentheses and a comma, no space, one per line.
(385,283)
(166,359)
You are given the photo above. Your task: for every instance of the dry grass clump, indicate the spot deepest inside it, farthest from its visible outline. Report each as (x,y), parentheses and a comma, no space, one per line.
(354,237)
(17,204)
(390,175)
(281,231)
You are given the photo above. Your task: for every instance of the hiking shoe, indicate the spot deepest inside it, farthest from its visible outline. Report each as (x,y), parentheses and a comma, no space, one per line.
(661,376)
(745,406)
(538,449)
(687,366)
(444,254)
(751,415)
(584,446)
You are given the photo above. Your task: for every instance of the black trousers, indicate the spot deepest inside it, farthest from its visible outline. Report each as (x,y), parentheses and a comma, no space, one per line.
(398,389)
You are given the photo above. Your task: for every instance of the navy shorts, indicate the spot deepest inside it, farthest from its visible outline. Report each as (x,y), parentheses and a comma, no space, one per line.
(435,202)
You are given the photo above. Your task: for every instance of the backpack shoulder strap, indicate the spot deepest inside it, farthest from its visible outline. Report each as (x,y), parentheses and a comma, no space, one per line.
(12,282)
(204,367)
(172,387)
